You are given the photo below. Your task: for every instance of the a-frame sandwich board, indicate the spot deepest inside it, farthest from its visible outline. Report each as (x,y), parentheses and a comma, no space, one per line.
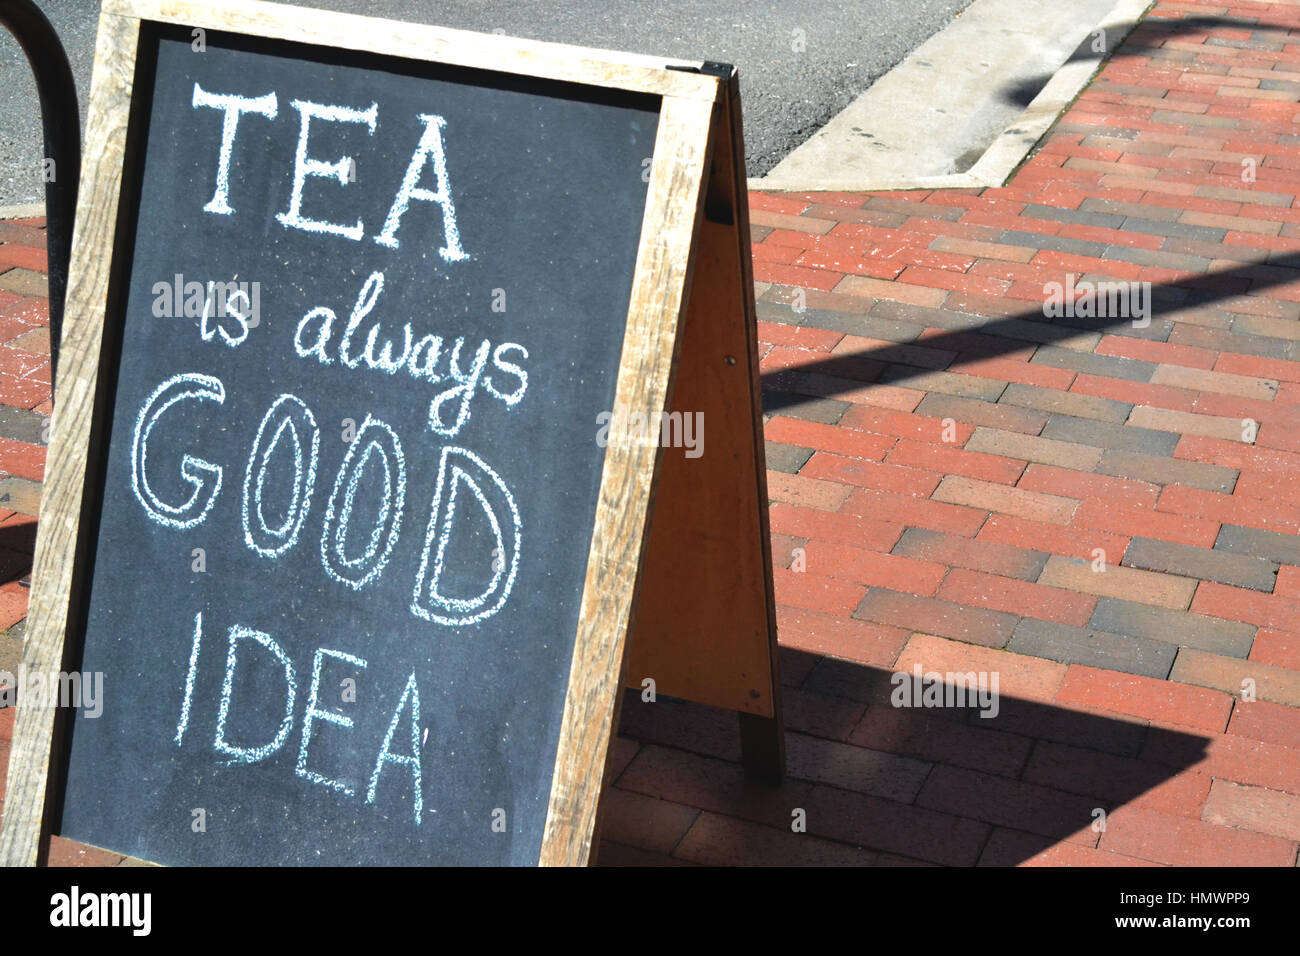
(693,237)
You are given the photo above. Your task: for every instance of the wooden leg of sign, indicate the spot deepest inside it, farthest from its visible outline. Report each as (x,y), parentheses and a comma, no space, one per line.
(762,745)
(762,739)
(705,625)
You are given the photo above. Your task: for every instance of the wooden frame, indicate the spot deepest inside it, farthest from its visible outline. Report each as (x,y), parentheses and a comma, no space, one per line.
(705,625)
(676,197)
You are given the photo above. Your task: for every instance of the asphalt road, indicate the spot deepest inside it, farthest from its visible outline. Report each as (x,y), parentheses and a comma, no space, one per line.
(801,62)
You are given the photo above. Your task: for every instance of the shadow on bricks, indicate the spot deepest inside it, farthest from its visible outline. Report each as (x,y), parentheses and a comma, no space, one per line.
(1023,92)
(17,544)
(970,337)
(878,784)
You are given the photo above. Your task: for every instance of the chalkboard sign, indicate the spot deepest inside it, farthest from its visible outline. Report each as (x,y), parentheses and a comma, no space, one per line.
(356,553)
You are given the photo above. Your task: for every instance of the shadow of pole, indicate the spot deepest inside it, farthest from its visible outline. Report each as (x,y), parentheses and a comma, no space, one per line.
(982,338)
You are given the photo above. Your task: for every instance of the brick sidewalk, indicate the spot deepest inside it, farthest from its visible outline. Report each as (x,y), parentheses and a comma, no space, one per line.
(950,472)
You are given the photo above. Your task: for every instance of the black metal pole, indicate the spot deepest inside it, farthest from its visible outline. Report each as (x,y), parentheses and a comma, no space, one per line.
(61,122)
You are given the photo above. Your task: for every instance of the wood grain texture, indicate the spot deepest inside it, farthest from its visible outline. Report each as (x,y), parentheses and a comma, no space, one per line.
(673,206)
(552,61)
(704,629)
(24,836)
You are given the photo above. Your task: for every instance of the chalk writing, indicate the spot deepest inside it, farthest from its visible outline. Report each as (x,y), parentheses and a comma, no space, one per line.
(204,476)
(289,416)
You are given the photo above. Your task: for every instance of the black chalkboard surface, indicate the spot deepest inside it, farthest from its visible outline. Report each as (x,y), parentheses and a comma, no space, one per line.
(373,310)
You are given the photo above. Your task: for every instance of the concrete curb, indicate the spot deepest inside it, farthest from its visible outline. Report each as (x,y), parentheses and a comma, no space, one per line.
(1016,141)
(31,210)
